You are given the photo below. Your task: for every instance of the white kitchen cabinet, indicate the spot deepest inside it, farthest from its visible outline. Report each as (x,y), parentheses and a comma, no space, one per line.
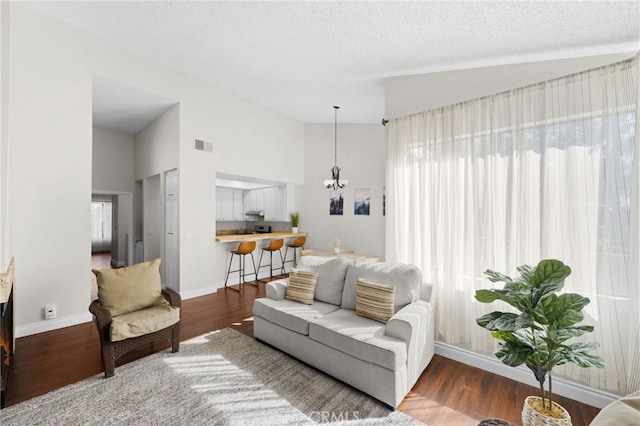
(271,200)
(274,203)
(255,199)
(224,204)
(238,205)
(229,204)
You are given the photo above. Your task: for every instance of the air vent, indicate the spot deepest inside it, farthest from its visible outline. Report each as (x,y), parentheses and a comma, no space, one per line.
(204,146)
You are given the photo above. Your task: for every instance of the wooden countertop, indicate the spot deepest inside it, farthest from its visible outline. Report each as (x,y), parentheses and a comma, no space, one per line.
(349,254)
(255,237)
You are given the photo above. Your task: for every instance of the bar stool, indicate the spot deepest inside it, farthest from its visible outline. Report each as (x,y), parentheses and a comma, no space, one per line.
(244,248)
(274,245)
(297,243)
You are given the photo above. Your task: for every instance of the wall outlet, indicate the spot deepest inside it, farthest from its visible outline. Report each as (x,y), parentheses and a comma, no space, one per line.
(50,311)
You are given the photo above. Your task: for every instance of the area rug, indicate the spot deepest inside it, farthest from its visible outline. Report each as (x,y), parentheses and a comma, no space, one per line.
(221,378)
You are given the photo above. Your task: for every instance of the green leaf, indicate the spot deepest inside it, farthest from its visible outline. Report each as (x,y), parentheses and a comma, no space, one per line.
(564,310)
(498,321)
(526,271)
(506,322)
(514,353)
(488,296)
(584,346)
(487,321)
(525,320)
(497,276)
(582,359)
(549,277)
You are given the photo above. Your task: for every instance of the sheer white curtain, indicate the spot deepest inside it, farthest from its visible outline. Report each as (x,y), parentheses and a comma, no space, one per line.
(101,226)
(545,171)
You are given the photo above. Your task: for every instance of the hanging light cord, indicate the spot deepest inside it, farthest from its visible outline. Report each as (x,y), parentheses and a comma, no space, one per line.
(335,139)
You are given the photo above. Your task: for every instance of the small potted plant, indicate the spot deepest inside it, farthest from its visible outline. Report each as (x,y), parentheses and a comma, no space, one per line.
(295,220)
(537,335)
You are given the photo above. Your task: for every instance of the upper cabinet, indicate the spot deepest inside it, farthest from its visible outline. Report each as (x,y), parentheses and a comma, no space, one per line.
(270,200)
(254,200)
(229,204)
(274,203)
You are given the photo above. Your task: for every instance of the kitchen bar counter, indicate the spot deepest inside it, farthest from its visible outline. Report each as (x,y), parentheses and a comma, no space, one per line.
(236,238)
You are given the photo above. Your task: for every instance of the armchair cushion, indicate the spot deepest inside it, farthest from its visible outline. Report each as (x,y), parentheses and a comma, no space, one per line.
(131,288)
(143,321)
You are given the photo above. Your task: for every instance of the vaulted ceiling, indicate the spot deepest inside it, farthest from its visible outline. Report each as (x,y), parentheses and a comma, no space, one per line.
(301,57)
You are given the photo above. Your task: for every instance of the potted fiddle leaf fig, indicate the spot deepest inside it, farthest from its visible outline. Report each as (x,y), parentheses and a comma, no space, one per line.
(295,220)
(537,336)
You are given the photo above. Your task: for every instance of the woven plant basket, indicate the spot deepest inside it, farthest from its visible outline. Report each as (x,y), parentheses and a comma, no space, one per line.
(531,417)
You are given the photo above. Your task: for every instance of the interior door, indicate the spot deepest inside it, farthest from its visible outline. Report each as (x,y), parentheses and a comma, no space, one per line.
(171,253)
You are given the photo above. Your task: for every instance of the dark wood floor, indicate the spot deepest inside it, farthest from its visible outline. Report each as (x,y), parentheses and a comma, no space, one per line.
(447,393)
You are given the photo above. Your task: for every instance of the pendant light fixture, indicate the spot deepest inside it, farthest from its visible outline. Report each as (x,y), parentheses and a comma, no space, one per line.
(335,183)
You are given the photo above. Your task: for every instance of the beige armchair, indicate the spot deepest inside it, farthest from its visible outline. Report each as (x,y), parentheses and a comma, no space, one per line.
(133,309)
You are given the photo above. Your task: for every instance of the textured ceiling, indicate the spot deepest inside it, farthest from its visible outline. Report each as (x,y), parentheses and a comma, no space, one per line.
(300,58)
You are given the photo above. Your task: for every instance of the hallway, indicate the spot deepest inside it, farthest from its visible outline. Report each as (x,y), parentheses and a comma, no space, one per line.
(99,261)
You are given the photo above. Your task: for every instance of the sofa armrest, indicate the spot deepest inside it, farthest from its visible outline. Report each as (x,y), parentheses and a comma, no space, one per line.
(426,291)
(277,289)
(414,324)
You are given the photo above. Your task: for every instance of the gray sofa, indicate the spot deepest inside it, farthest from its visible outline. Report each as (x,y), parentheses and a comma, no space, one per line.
(382,360)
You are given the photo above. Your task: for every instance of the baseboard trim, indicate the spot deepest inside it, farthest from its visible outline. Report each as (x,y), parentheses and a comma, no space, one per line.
(564,387)
(52,324)
(117,263)
(197,292)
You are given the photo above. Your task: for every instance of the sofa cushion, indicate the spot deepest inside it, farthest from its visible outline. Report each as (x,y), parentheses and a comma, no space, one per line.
(359,337)
(374,300)
(131,288)
(406,278)
(331,273)
(144,321)
(302,286)
(291,315)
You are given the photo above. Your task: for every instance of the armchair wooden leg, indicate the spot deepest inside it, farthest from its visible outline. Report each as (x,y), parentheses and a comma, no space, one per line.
(175,339)
(109,362)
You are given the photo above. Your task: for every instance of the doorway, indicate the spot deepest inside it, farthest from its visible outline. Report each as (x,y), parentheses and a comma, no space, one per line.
(111,232)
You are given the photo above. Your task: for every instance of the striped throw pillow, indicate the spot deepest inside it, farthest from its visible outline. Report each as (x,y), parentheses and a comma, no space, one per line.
(302,286)
(374,300)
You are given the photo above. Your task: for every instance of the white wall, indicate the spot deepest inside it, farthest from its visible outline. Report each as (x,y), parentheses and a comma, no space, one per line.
(4,144)
(112,161)
(361,156)
(156,146)
(50,170)
(50,129)
(411,94)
